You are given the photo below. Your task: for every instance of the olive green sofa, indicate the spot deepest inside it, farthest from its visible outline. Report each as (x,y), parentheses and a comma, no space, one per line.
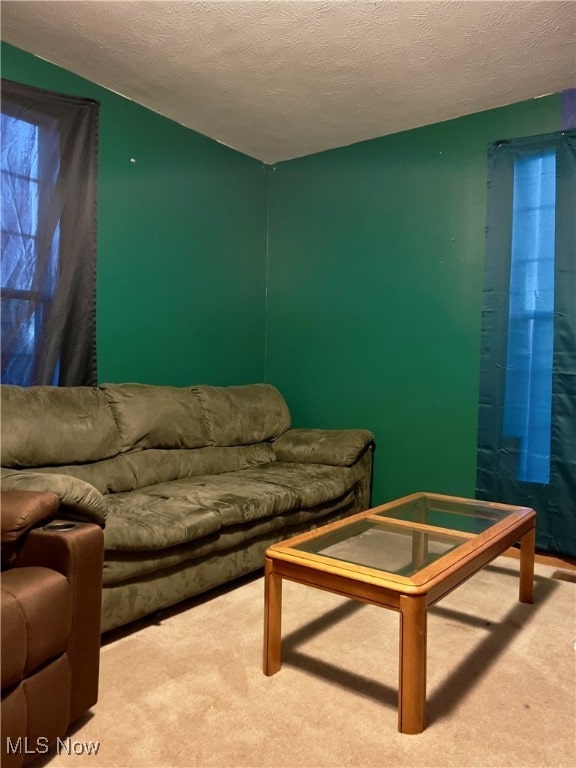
(191,484)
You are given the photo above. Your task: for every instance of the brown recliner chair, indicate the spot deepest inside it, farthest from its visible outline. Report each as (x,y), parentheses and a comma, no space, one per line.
(51,599)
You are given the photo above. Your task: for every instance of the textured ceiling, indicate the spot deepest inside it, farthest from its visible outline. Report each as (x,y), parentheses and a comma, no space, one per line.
(278,80)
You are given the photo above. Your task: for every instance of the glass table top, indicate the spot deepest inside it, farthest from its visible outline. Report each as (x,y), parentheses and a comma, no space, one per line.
(469,516)
(433,528)
(383,546)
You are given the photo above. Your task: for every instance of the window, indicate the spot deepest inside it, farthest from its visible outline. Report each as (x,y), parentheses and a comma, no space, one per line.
(48,195)
(528,384)
(26,296)
(527,408)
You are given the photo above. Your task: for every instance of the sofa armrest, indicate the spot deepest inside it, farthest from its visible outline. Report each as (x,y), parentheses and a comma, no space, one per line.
(79,500)
(338,447)
(75,550)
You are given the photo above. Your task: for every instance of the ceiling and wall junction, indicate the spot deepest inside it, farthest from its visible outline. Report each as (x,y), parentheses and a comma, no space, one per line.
(279,79)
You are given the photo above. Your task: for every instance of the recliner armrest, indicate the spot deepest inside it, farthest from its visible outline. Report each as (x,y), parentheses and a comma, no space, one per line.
(77,551)
(21,511)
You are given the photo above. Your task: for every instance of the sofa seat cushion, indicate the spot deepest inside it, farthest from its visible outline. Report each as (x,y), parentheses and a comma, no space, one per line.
(36,619)
(138,521)
(312,484)
(232,496)
(122,566)
(260,492)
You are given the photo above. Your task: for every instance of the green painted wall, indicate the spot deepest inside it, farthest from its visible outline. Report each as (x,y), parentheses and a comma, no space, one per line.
(181,243)
(372,276)
(375,275)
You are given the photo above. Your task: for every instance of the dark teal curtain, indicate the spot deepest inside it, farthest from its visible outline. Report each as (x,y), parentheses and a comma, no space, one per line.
(527,413)
(49,166)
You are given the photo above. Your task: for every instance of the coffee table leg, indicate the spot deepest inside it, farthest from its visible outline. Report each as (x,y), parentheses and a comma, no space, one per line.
(527,545)
(412,677)
(272,619)
(419,549)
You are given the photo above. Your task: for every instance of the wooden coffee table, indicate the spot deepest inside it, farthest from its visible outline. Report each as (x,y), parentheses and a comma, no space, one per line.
(405,555)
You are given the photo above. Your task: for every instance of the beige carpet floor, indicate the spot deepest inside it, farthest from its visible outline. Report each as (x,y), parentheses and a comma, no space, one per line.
(187,690)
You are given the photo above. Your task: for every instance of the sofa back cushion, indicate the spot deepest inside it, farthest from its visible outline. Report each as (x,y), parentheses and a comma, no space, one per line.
(45,425)
(160,466)
(243,415)
(150,416)
(107,476)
